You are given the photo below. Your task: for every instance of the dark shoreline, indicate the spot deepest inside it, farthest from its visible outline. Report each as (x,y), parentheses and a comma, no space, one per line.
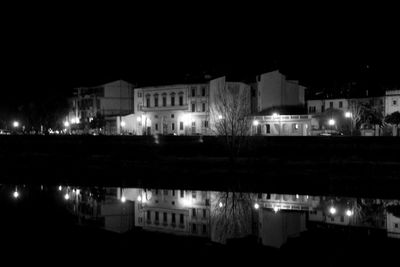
(343,166)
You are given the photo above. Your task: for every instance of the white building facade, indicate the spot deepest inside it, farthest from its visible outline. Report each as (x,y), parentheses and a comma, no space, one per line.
(392,101)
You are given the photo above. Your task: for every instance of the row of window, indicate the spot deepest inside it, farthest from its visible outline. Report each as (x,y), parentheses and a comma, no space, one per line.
(165,217)
(194,89)
(203,107)
(194,228)
(181,126)
(199,213)
(295,128)
(164,100)
(181,193)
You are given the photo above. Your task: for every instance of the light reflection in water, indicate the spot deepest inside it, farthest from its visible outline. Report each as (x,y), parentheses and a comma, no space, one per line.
(220,216)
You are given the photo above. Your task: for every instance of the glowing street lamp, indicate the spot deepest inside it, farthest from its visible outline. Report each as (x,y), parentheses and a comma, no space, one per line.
(123,124)
(220,117)
(123,199)
(66,196)
(60,188)
(331,123)
(15,124)
(220,204)
(276,209)
(332,210)
(349,213)
(16,194)
(66,124)
(256,206)
(139,198)
(349,115)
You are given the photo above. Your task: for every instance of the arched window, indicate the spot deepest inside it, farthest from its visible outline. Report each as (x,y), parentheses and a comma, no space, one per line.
(156,100)
(172,99)
(148,100)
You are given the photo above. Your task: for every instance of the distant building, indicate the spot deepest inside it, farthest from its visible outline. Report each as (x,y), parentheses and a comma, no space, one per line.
(284,125)
(393,225)
(181,109)
(392,101)
(109,100)
(321,105)
(273,90)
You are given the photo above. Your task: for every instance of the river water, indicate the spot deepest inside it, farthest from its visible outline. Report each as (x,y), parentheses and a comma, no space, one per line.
(83,221)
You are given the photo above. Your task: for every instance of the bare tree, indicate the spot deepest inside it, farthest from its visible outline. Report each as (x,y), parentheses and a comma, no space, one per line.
(356,109)
(231,215)
(229,113)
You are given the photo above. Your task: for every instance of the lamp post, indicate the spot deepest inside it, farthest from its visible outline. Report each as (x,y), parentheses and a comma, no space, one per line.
(349,115)
(123,124)
(277,116)
(331,122)
(255,125)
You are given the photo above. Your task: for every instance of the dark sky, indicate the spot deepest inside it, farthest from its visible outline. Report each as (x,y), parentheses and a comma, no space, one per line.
(47,53)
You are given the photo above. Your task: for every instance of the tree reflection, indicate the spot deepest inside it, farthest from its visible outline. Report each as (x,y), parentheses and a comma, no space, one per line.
(231,215)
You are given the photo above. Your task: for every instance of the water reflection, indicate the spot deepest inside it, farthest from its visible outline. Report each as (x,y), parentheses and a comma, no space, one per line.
(271,219)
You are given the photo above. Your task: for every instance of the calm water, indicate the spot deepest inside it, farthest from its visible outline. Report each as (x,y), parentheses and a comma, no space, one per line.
(110,220)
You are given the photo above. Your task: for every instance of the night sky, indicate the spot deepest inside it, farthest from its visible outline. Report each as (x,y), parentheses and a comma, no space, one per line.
(46,54)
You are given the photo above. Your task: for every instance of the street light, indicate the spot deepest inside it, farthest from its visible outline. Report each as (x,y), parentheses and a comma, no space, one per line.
(349,213)
(332,210)
(331,122)
(349,115)
(255,124)
(276,116)
(66,124)
(256,206)
(15,124)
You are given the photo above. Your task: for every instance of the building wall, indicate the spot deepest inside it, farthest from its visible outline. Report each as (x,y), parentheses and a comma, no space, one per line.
(393,225)
(111,99)
(392,101)
(270,90)
(293,125)
(273,90)
(276,228)
(191,205)
(171,118)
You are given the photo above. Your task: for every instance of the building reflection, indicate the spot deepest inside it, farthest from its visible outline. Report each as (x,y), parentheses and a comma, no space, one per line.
(271,219)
